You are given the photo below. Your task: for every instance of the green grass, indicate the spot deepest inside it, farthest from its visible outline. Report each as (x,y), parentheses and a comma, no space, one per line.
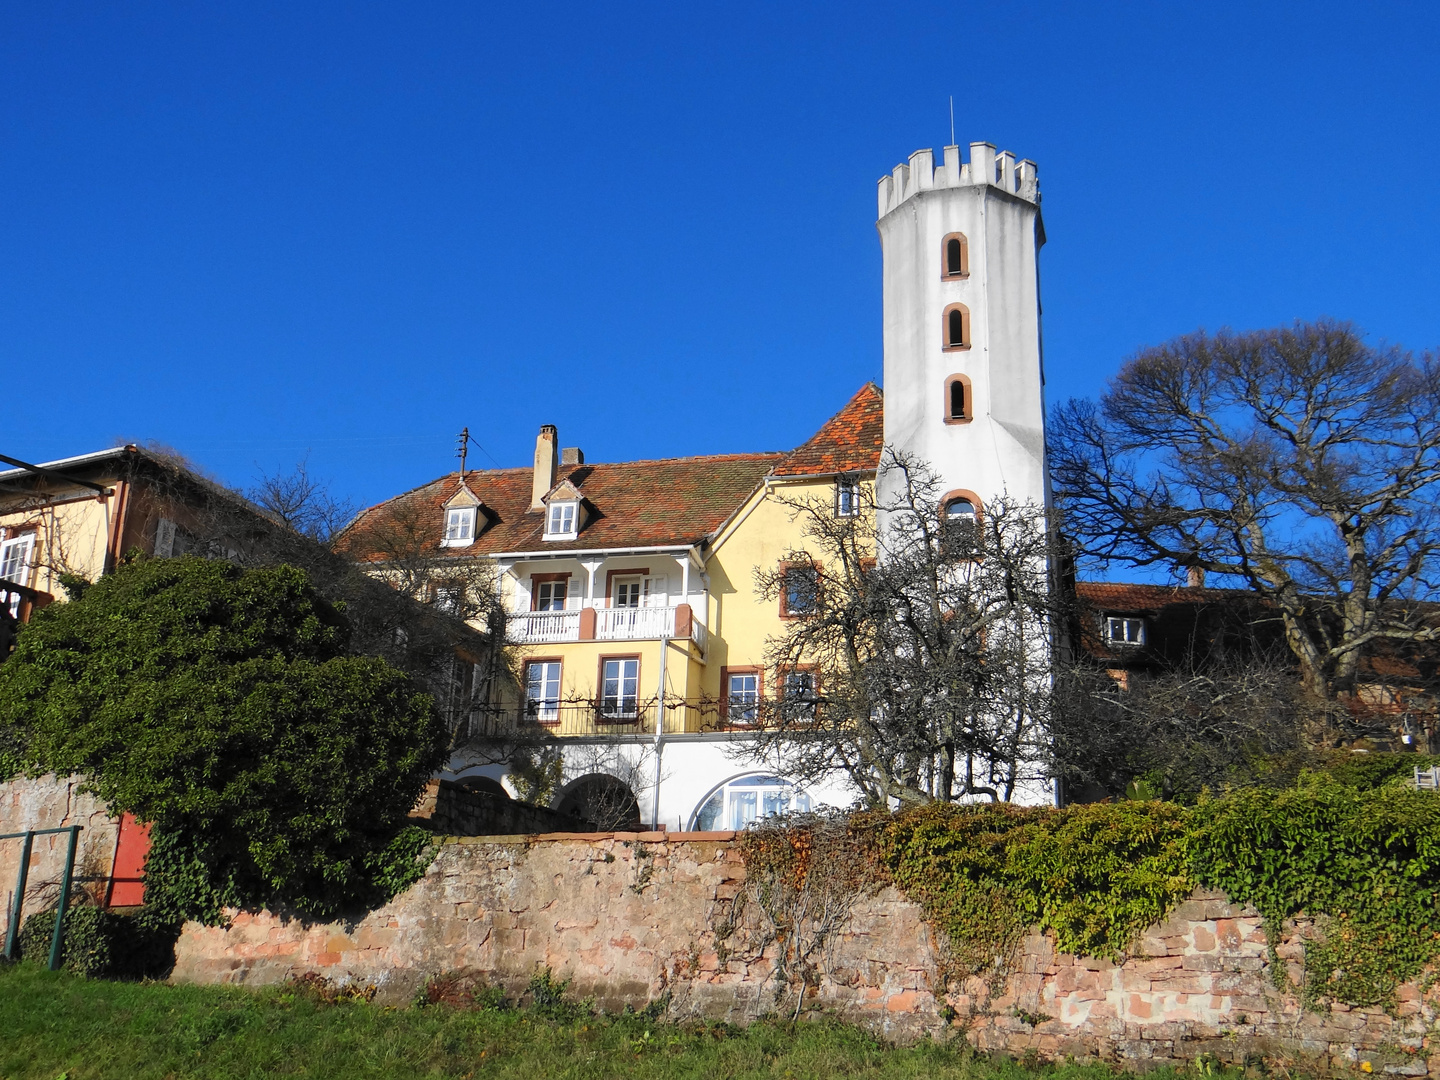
(54,1024)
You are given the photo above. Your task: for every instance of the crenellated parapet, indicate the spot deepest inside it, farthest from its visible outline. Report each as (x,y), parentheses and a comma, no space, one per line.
(984,167)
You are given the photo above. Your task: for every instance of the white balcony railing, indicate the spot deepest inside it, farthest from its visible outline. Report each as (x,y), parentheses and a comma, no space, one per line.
(634,623)
(609,624)
(528,627)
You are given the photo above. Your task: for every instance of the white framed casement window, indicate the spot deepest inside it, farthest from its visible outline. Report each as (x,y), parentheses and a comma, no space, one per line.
(561,521)
(625,592)
(459,526)
(620,688)
(1124,630)
(740,802)
(743,697)
(847,503)
(15,562)
(551,595)
(542,691)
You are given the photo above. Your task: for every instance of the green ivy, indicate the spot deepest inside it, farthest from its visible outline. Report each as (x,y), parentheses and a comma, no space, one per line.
(1095,875)
(1366,863)
(1355,849)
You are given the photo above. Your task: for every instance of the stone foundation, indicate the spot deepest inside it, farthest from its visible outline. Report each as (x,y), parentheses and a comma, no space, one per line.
(630,917)
(49,803)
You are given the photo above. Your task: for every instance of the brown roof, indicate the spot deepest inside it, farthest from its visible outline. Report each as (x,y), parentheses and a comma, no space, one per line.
(1127,596)
(679,501)
(849,441)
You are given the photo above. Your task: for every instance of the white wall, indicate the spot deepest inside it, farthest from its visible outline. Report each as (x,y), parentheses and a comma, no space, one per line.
(1002,449)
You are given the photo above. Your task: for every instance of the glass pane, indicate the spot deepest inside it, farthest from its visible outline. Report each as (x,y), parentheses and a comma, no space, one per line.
(709,815)
(742,808)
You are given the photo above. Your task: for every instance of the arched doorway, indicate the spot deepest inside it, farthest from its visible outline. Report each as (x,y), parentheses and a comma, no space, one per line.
(603,800)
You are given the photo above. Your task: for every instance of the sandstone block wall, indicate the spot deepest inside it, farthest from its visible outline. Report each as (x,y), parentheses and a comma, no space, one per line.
(630,917)
(50,803)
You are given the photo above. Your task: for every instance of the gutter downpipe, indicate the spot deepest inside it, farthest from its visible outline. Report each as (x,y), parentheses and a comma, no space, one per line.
(659,731)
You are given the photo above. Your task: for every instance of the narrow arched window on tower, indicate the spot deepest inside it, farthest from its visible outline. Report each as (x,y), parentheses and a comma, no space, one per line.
(959,401)
(955,256)
(957,327)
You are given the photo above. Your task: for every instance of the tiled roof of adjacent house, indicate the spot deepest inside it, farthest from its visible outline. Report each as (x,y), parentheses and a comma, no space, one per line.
(1124,597)
(849,441)
(678,501)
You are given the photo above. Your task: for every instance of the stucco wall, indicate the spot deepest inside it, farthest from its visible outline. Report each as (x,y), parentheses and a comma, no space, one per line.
(630,917)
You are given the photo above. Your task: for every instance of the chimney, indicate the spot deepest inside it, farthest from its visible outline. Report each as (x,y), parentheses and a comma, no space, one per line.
(544,466)
(1195,577)
(572,455)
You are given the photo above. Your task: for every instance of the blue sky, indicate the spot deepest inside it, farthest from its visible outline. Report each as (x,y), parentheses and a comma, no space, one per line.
(264,231)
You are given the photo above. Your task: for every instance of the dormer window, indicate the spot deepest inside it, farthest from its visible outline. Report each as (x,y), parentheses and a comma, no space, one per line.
(459,526)
(560,521)
(1120,630)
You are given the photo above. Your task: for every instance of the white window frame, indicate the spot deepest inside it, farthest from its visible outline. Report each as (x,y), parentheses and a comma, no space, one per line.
(742,707)
(550,603)
(543,707)
(1125,623)
(562,520)
(16,568)
(623,702)
(459,526)
(847,497)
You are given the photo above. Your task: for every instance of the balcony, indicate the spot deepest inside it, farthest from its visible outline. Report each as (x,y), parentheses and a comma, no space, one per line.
(607,624)
(576,716)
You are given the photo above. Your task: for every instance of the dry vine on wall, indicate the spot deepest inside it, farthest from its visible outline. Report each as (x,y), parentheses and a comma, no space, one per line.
(803,877)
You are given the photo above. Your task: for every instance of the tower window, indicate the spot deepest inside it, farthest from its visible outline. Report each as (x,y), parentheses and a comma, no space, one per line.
(955,256)
(960,511)
(847,497)
(959,401)
(956,327)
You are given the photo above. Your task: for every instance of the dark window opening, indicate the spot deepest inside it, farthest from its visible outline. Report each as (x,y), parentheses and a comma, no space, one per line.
(954,257)
(955,328)
(957,400)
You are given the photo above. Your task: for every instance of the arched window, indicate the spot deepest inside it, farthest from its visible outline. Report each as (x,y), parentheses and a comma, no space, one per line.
(956,327)
(959,403)
(736,804)
(954,256)
(960,509)
(961,513)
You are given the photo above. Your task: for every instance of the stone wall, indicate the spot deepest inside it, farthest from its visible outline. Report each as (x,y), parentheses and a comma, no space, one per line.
(454,810)
(631,917)
(50,803)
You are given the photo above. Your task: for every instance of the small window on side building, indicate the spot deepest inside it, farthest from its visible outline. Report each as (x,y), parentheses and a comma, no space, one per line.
(956,327)
(1122,630)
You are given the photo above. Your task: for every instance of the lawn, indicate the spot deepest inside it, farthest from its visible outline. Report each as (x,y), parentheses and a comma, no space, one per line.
(55,1024)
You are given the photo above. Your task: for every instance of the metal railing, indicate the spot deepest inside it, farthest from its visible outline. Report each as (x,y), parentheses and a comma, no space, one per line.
(17,906)
(583,716)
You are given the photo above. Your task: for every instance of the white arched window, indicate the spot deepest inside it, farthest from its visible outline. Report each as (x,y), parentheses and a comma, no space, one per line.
(736,803)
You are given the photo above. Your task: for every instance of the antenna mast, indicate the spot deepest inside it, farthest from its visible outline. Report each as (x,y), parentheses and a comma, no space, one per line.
(952,119)
(463,449)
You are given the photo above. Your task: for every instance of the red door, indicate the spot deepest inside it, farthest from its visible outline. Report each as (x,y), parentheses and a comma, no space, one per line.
(127,887)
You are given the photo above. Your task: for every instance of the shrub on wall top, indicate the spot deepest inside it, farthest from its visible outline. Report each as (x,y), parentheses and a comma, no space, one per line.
(223,705)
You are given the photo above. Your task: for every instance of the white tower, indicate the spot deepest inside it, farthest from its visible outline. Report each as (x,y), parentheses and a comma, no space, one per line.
(963,381)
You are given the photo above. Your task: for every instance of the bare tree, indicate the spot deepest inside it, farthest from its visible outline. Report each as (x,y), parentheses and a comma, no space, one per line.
(1175,730)
(1299,462)
(302,502)
(919,663)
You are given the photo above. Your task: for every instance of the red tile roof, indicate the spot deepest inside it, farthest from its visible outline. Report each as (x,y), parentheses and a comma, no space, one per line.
(1121,596)
(849,441)
(678,501)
